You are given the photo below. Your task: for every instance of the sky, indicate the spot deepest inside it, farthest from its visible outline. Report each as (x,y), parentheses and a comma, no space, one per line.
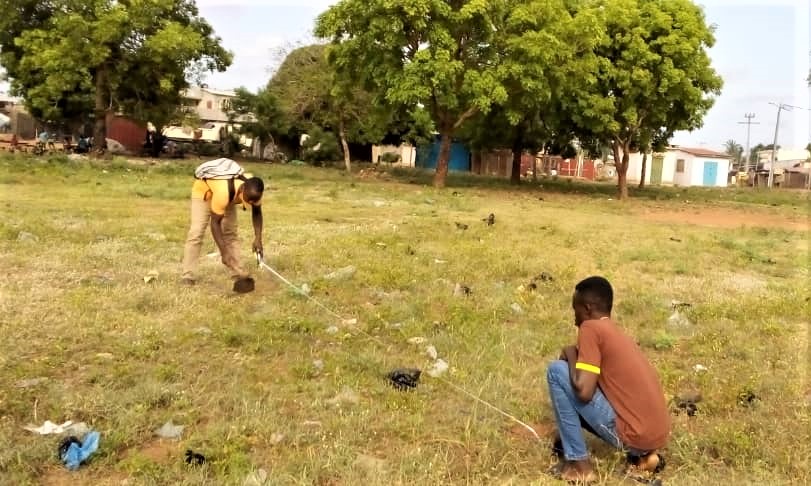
(762,51)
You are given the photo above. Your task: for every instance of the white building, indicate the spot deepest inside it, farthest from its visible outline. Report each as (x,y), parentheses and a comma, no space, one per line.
(682,166)
(211,105)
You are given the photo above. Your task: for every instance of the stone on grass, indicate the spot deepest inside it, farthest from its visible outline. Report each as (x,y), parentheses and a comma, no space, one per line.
(516,308)
(370,464)
(417,340)
(256,478)
(347,396)
(342,273)
(438,369)
(26,236)
(170,431)
(30,382)
(431,352)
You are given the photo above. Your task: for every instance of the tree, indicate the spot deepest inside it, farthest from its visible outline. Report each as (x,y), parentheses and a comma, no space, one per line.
(649,71)
(441,54)
(734,150)
(259,115)
(133,55)
(532,47)
(312,95)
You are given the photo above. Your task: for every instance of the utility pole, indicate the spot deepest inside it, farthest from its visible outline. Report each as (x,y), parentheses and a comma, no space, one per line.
(780,108)
(749,162)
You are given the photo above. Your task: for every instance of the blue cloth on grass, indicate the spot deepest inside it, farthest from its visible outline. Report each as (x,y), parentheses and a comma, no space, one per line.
(77,454)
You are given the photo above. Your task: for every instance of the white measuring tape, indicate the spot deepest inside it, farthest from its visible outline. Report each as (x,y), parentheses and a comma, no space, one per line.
(312,299)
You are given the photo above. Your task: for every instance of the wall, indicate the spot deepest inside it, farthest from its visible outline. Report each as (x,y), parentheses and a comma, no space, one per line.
(126,132)
(407,153)
(668,167)
(683,178)
(697,171)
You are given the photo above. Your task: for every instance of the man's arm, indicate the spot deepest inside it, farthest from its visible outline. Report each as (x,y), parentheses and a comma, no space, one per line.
(256,218)
(584,381)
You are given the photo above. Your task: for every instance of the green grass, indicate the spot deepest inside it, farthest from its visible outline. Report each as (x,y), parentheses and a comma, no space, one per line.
(240,372)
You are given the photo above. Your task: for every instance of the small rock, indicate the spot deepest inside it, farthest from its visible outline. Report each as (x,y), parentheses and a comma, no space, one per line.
(747,398)
(438,369)
(678,320)
(332,330)
(381,244)
(151,276)
(396,325)
(342,273)
(30,382)
(276,438)
(516,308)
(170,431)
(203,330)
(370,464)
(699,368)
(431,352)
(311,423)
(104,355)
(318,364)
(305,289)
(256,478)
(439,262)
(26,236)
(349,322)
(461,290)
(379,204)
(417,340)
(347,396)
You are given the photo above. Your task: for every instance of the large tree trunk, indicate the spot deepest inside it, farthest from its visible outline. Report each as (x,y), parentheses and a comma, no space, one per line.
(100,123)
(344,146)
(515,174)
(644,169)
(444,158)
(621,162)
(476,162)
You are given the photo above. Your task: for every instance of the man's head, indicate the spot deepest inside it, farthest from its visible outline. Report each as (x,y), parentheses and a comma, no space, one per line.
(593,298)
(252,190)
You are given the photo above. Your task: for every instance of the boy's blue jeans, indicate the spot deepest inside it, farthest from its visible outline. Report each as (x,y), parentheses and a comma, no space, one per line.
(598,415)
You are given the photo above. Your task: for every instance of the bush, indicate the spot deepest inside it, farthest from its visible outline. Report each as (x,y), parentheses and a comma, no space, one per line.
(390,157)
(320,147)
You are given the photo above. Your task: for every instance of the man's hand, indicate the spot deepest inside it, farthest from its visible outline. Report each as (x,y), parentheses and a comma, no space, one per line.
(257,247)
(569,354)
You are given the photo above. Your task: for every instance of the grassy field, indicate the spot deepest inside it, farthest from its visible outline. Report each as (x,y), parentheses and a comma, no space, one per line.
(260,381)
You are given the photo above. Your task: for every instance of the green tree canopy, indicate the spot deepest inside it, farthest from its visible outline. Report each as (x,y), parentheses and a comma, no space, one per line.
(312,95)
(260,115)
(648,72)
(131,55)
(437,53)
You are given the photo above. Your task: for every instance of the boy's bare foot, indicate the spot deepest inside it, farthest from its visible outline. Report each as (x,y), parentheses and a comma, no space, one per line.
(649,463)
(578,472)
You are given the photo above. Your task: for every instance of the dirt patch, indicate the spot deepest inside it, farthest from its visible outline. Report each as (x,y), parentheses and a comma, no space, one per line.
(59,476)
(159,451)
(724,218)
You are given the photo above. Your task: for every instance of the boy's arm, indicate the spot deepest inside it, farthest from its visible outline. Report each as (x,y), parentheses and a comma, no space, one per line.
(583,376)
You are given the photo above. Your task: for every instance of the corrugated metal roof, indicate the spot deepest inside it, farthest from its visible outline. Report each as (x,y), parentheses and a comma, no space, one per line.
(702,152)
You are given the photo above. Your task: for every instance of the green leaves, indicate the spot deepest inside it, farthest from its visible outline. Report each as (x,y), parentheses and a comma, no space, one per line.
(55,52)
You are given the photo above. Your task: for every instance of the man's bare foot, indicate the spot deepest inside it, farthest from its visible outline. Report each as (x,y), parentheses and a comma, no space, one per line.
(650,463)
(578,472)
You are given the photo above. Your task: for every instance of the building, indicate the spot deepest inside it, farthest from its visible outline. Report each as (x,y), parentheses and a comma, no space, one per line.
(211,105)
(787,157)
(682,166)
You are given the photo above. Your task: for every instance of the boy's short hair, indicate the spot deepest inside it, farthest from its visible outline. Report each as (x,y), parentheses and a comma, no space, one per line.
(596,291)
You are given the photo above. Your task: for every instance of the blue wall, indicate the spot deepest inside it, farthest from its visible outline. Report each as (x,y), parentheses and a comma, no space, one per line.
(428,154)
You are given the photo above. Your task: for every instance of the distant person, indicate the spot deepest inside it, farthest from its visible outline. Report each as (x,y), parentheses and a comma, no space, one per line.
(83,145)
(215,202)
(605,385)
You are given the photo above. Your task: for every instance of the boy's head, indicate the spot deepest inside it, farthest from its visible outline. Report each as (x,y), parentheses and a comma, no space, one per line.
(253,189)
(593,298)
